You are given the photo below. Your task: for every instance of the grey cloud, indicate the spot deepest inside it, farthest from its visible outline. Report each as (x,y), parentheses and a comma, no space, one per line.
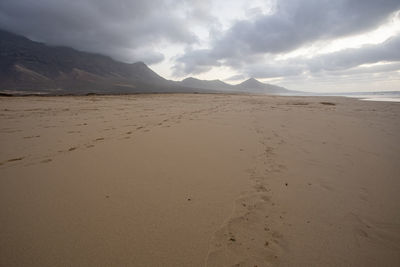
(294,24)
(103,26)
(384,68)
(235,78)
(272,70)
(388,51)
(143,54)
(195,62)
(337,63)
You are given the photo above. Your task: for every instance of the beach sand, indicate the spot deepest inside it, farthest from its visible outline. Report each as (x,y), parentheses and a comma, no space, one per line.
(199,180)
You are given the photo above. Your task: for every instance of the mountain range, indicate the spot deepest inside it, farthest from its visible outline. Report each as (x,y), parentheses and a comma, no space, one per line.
(28,67)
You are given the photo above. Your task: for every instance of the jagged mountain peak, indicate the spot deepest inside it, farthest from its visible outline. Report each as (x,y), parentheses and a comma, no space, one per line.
(252,82)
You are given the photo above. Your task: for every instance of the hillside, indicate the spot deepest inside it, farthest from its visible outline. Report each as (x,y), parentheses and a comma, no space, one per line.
(30,66)
(206,84)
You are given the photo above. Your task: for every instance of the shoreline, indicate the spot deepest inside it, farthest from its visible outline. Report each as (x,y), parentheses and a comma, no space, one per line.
(363,97)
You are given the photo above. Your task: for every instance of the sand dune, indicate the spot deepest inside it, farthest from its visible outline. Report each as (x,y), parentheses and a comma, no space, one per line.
(199,180)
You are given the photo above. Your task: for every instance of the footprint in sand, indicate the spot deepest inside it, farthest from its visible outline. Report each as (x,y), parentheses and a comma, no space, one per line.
(363,195)
(324,184)
(260,188)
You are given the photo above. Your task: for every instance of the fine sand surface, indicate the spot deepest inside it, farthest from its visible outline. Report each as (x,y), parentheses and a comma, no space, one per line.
(199,180)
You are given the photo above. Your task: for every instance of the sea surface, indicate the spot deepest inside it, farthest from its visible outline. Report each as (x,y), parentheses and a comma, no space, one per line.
(377,97)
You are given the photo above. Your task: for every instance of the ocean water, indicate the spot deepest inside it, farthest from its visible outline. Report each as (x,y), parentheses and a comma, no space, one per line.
(388,99)
(377,97)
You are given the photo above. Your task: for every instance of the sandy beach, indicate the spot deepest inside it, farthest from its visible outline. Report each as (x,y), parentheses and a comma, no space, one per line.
(199,180)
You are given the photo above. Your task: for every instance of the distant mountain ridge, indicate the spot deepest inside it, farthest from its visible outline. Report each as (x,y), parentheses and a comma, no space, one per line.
(32,67)
(249,86)
(256,86)
(207,84)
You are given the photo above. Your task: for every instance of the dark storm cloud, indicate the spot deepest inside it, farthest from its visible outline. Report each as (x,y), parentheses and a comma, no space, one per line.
(294,24)
(126,30)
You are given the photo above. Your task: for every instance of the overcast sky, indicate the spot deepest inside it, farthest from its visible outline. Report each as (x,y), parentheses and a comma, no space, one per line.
(311,45)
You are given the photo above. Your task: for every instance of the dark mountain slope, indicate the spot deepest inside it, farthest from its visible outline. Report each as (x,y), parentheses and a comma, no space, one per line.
(32,66)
